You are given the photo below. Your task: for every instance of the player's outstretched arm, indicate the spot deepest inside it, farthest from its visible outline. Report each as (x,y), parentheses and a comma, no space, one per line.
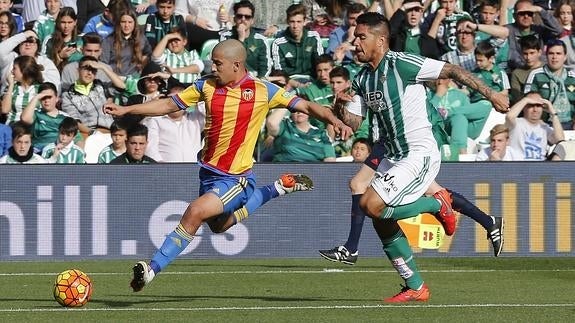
(325,115)
(344,104)
(500,101)
(150,108)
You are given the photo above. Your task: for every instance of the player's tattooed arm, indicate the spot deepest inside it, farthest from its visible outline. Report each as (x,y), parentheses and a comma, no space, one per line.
(350,119)
(461,75)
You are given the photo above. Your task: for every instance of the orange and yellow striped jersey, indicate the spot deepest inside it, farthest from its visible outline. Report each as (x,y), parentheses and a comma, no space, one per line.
(234,117)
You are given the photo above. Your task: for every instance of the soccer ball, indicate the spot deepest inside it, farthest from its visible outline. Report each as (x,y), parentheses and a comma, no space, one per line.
(73,288)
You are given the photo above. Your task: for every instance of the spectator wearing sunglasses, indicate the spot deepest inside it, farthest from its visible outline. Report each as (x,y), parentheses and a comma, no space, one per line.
(259,61)
(524,11)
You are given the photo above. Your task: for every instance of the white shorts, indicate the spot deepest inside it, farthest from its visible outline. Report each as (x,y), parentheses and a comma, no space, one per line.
(405,181)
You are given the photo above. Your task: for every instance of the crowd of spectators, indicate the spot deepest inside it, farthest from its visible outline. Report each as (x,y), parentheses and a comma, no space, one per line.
(61,60)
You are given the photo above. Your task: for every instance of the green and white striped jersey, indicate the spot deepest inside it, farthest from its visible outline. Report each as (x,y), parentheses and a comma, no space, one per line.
(397,99)
(107,155)
(20,99)
(71,154)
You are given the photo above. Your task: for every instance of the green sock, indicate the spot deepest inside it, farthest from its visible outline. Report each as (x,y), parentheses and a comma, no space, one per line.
(422,205)
(399,253)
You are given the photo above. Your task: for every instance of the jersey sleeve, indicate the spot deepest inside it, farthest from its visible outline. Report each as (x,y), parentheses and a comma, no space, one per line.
(280,98)
(191,95)
(430,70)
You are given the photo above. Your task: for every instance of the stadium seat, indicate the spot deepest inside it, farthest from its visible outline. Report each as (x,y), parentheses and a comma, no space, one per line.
(142,19)
(569,135)
(206,51)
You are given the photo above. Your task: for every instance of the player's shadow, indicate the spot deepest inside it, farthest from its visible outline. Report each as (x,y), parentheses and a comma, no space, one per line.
(147,299)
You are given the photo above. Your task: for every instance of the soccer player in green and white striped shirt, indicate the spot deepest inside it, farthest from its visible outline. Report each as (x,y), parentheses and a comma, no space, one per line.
(390,85)
(64,151)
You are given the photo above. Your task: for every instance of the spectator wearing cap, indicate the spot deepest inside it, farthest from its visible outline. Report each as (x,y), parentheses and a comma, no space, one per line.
(151,85)
(498,149)
(554,82)
(406,34)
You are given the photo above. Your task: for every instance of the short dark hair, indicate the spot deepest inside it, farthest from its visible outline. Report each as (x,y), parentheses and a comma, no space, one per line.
(356,7)
(47,86)
(245,4)
(339,71)
(92,38)
(364,141)
(485,48)
(165,1)
(137,129)
(68,126)
(554,43)
(374,20)
(324,58)
(295,9)
(87,58)
(118,125)
(20,129)
(530,42)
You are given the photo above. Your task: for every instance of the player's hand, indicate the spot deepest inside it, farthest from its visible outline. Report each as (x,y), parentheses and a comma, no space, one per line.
(495,155)
(500,102)
(342,130)
(203,23)
(114,109)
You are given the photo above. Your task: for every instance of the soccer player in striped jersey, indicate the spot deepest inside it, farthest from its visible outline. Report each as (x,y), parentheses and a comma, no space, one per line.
(236,107)
(390,86)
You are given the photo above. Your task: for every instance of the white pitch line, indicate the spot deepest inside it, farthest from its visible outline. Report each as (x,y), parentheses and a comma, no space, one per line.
(283,272)
(277,308)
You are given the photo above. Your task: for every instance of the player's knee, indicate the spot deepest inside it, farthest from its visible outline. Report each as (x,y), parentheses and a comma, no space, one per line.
(370,206)
(358,185)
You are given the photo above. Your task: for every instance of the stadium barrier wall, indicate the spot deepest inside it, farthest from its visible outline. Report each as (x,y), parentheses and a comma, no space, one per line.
(124,211)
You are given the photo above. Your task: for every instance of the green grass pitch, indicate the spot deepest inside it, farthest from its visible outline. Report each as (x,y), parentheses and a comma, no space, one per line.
(298,290)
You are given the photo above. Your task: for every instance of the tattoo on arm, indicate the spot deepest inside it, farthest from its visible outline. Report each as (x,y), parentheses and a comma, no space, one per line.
(464,77)
(350,119)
